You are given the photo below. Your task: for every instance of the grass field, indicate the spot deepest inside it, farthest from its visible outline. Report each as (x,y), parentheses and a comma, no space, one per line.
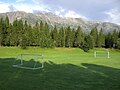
(64,69)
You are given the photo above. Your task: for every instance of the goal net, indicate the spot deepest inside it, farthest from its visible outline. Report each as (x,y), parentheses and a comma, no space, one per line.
(29,61)
(102,54)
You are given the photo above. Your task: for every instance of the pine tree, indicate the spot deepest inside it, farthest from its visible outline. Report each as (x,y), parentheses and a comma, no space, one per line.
(15,32)
(47,37)
(1,32)
(9,35)
(41,34)
(108,41)
(79,37)
(101,39)
(60,37)
(6,30)
(94,33)
(30,38)
(115,36)
(36,34)
(118,43)
(88,43)
(73,37)
(54,35)
(68,39)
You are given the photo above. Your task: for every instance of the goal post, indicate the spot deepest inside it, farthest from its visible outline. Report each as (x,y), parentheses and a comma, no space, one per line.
(102,54)
(29,61)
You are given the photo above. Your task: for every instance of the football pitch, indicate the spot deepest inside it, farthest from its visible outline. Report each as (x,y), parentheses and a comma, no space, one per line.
(64,69)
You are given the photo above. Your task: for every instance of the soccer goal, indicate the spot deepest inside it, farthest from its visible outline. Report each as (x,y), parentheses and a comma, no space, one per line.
(29,61)
(102,54)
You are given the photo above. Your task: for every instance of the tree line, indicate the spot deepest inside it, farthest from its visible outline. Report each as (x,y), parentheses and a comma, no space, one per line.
(20,33)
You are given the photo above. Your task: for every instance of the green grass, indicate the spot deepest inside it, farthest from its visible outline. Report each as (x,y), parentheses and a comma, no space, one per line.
(65,69)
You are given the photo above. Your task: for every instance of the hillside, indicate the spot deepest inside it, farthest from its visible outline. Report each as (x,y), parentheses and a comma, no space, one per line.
(53,19)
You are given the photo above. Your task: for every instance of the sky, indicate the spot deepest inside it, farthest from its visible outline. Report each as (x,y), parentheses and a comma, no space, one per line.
(98,10)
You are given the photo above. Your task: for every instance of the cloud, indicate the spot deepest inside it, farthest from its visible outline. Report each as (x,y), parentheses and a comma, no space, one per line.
(23,7)
(26,7)
(60,11)
(92,9)
(113,15)
(4,7)
(18,1)
(11,8)
(73,14)
(101,10)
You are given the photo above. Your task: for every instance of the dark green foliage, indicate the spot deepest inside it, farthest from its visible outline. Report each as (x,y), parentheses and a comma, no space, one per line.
(1,31)
(54,36)
(79,37)
(108,41)
(85,47)
(115,36)
(94,33)
(118,43)
(23,42)
(88,43)
(101,39)
(68,38)
(22,34)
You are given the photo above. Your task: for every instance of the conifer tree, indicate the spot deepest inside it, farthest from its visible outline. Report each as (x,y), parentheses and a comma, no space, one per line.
(118,43)
(68,40)
(79,37)
(6,30)
(47,36)
(1,32)
(94,33)
(101,39)
(54,35)
(115,36)
(108,41)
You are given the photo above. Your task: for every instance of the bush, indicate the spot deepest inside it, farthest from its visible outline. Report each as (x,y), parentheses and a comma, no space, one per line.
(85,47)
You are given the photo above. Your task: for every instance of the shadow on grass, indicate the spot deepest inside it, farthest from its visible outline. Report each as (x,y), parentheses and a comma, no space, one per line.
(58,77)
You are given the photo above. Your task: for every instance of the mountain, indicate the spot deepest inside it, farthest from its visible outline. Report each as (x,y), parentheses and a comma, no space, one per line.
(53,19)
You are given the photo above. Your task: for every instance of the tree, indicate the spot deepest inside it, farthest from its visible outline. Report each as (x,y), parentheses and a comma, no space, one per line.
(15,34)
(23,43)
(108,41)
(54,35)
(94,33)
(88,43)
(118,43)
(41,35)
(36,32)
(101,39)
(6,30)
(79,37)
(47,37)
(115,36)
(9,35)
(1,31)
(68,38)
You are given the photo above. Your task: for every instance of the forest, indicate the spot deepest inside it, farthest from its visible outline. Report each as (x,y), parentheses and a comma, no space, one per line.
(20,33)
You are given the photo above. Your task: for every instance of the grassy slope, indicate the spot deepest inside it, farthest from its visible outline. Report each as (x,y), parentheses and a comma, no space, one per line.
(67,69)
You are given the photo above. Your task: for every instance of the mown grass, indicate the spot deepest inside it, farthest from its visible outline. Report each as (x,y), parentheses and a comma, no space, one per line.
(65,69)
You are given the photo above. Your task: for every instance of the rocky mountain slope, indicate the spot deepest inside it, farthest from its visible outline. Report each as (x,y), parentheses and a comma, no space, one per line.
(52,20)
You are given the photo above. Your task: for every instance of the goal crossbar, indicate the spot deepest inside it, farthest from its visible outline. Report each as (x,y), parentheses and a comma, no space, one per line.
(102,53)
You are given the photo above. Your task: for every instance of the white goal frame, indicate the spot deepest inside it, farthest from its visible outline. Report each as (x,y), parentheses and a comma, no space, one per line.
(21,64)
(96,54)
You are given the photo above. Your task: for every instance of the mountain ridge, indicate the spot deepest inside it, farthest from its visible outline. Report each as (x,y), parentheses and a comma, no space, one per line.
(53,19)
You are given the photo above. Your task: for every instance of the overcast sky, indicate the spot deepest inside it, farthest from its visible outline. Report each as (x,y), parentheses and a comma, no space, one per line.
(102,10)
